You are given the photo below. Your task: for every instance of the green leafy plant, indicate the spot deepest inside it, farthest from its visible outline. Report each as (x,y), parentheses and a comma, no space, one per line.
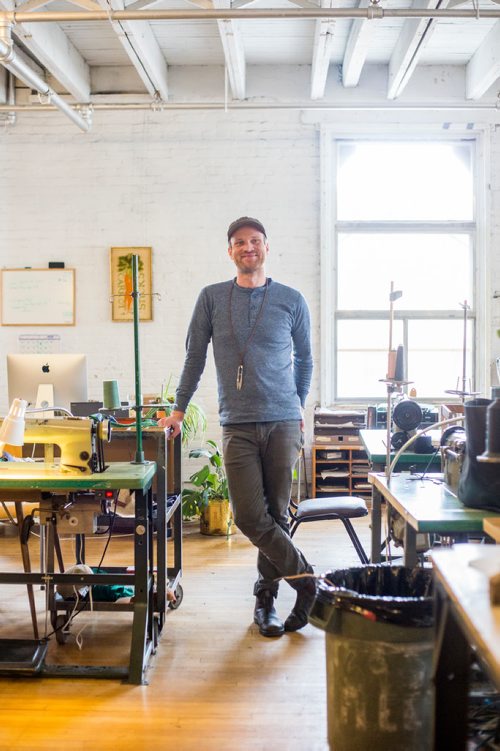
(195,421)
(209,483)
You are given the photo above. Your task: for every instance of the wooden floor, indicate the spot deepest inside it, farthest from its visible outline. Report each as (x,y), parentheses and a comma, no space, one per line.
(214,682)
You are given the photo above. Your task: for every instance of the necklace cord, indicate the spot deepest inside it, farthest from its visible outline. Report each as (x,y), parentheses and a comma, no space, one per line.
(242,353)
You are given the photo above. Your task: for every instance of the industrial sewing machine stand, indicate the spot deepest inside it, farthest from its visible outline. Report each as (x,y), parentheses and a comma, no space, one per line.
(58,487)
(44,484)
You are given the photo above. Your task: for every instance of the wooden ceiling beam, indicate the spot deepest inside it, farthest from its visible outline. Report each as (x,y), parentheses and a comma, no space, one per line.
(322,52)
(356,51)
(483,68)
(414,36)
(140,44)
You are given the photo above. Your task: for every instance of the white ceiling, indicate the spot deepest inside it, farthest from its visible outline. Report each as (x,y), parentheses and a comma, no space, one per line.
(91,60)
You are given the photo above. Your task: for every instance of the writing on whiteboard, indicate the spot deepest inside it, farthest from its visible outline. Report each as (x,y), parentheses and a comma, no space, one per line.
(38,297)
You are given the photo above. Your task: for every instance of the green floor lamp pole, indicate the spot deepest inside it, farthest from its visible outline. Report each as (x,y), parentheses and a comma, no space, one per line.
(139,453)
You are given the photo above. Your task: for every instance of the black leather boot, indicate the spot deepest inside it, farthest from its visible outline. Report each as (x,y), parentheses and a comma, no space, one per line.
(306,594)
(265,615)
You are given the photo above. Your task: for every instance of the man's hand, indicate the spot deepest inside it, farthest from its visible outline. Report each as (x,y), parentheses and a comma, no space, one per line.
(303,419)
(172,423)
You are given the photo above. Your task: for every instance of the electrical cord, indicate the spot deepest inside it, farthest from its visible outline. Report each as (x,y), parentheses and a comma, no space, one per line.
(432,426)
(422,476)
(85,602)
(111,525)
(78,637)
(34,410)
(484,724)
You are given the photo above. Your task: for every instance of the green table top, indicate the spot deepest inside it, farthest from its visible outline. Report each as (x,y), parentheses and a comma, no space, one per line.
(374,442)
(41,476)
(427,506)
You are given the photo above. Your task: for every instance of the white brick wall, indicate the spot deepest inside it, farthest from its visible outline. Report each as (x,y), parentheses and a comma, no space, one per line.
(172,180)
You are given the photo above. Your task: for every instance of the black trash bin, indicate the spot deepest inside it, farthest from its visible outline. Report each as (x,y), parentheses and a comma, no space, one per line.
(379,641)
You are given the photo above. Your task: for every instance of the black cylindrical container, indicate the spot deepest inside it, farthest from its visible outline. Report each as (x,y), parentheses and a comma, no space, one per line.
(479,483)
(493,425)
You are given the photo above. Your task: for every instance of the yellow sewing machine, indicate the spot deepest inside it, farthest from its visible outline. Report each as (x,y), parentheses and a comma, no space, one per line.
(79,439)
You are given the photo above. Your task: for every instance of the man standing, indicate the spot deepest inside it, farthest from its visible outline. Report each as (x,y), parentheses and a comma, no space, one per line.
(260,333)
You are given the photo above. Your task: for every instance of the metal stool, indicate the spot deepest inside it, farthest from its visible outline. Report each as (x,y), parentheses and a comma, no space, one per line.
(342,508)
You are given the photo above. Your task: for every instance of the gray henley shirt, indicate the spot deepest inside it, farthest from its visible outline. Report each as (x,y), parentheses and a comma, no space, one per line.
(277,364)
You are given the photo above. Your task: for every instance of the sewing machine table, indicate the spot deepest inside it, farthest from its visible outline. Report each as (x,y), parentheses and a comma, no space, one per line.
(21,482)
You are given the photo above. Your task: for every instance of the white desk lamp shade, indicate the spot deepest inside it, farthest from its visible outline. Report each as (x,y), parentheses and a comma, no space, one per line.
(12,428)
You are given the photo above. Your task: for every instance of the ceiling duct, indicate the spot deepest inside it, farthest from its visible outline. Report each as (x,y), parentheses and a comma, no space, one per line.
(16,65)
(373,11)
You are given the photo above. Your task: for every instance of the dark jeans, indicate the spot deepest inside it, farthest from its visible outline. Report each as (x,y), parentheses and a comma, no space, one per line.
(259,458)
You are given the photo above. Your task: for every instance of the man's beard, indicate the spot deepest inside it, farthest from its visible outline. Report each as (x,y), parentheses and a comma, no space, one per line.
(256,265)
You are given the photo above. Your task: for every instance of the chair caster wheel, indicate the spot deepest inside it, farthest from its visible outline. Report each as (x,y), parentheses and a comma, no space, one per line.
(179,594)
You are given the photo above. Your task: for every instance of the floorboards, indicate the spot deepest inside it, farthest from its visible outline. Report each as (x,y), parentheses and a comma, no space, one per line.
(214,683)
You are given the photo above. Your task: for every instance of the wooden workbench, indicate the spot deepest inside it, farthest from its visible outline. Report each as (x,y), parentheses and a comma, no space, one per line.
(491,526)
(465,619)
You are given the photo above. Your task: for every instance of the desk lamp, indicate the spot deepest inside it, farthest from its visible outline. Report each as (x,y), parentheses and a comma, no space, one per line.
(12,429)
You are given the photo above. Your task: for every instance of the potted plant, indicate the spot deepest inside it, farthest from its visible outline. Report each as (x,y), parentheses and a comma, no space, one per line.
(208,496)
(194,422)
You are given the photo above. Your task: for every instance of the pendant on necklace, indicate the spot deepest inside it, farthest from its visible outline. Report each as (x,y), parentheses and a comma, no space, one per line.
(239,378)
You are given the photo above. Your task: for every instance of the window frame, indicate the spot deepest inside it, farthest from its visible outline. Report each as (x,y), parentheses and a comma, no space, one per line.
(330,227)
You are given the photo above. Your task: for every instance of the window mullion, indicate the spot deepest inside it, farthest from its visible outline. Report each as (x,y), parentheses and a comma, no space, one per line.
(397,227)
(434,269)
(381,315)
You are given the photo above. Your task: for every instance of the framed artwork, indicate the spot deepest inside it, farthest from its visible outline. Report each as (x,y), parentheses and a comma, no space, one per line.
(122,306)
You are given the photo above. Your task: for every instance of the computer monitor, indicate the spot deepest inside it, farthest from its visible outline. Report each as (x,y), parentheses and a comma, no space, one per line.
(47,380)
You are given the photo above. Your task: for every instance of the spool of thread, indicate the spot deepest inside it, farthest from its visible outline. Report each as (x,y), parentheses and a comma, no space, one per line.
(110,395)
(399,370)
(371,417)
(399,439)
(391,364)
(407,415)
(68,591)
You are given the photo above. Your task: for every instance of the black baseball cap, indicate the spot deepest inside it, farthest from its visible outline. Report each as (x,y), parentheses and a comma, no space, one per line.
(245,221)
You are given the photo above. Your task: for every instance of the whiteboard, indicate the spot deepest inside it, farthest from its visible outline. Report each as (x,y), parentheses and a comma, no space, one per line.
(38,297)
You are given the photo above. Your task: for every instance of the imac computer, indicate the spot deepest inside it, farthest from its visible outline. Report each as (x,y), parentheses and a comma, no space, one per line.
(47,381)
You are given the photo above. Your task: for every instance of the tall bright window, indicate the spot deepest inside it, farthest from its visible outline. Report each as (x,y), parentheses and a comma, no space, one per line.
(403,212)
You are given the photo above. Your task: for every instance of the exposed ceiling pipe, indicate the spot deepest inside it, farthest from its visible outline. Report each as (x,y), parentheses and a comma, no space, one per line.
(374,11)
(155,107)
(13,62)
(11,98)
